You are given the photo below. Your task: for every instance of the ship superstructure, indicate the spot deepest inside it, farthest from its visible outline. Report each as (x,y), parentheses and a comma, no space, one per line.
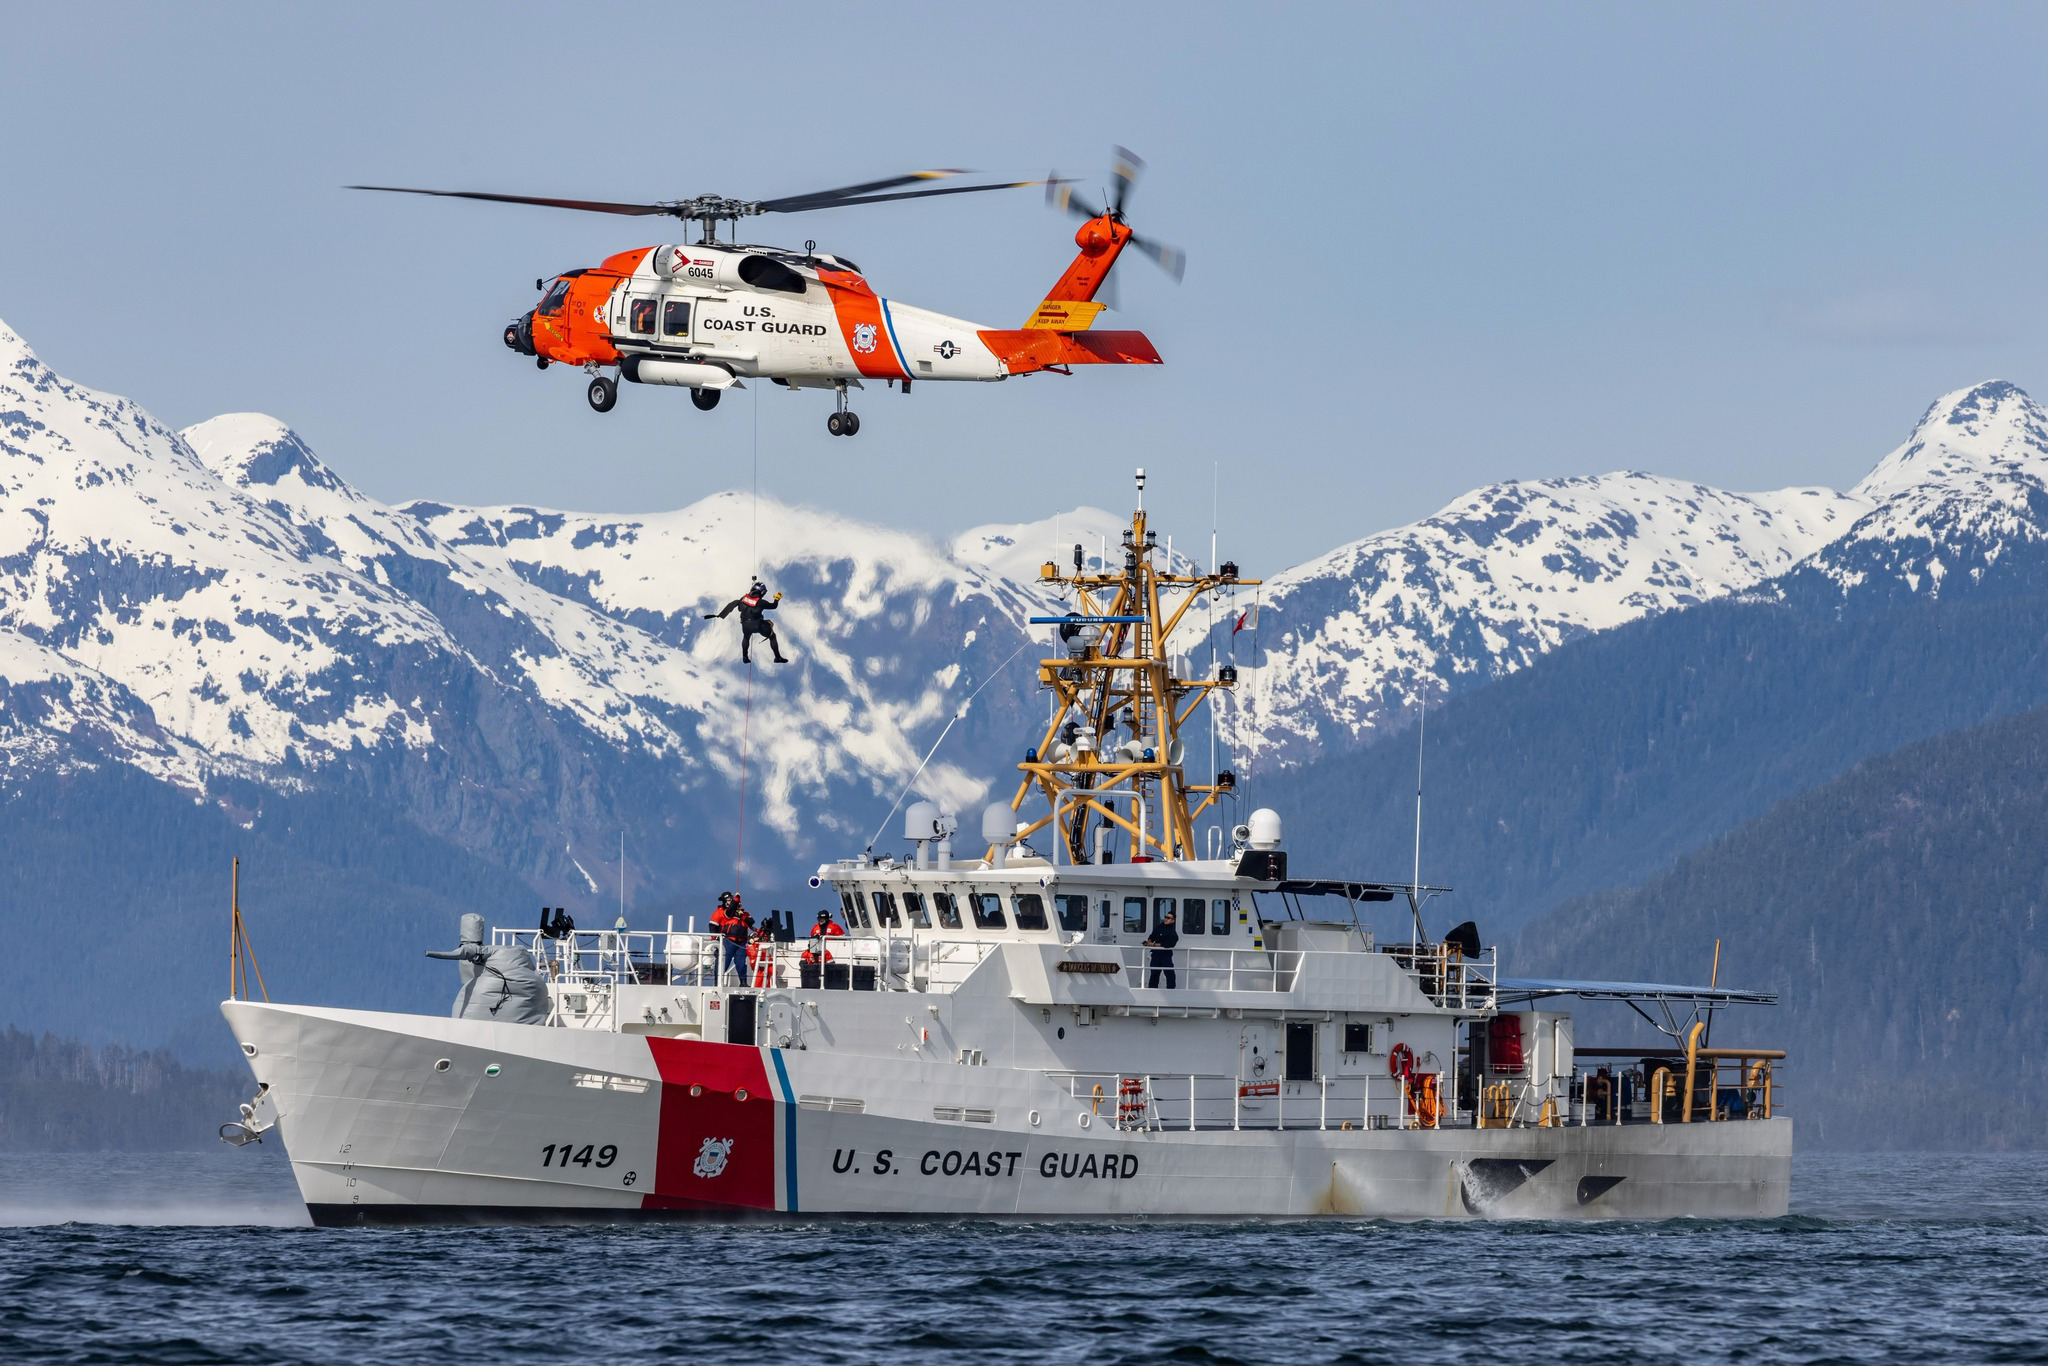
(1000,1031)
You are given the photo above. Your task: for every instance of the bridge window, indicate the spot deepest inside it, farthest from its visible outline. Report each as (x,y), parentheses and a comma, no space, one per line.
(1194,917)
(1219,916)
(1031,911)
(913,906)
(640,316)
(1161,908)
(1134,915)
(856,918)
(988,912)
(948,909)
(675,318)
(763,273)
(1073,913)
(885,910)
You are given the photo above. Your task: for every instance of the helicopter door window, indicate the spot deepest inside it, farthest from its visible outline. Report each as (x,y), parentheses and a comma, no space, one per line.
(948,909)
(675,319)
(551,302)
(913,906)
(1134,915)
(988,912)
(640,317)
(1030,911)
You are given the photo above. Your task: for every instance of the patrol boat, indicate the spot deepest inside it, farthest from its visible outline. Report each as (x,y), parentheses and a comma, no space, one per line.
(993,1034)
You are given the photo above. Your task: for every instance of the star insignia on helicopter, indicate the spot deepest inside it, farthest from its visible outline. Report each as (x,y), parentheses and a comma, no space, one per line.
(946,349)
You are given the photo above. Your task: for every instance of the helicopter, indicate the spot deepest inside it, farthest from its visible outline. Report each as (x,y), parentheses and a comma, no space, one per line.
(708,315)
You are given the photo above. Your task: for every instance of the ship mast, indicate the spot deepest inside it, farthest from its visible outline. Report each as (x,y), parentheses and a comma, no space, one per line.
(1114,736)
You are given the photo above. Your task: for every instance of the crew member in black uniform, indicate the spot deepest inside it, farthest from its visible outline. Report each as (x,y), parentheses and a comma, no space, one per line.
(753,609)
(1162,944)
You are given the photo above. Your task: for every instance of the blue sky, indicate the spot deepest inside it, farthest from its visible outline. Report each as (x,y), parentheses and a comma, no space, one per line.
(1430,246)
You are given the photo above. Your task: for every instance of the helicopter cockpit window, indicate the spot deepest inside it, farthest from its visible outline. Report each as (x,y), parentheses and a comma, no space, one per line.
(551,302)
(640,317)
(675,318)
(763,273)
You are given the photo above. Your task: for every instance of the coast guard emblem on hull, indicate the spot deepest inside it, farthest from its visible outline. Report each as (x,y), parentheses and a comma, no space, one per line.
(864,337)
(711,1157)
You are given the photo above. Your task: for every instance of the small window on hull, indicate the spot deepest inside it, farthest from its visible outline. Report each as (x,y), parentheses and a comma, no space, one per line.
(1219,917)
(675,318)
(1194,918)
(1162,907)
(640,316)
(1134,915)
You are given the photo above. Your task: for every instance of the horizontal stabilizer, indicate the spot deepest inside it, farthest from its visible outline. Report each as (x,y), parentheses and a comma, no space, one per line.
(1040,349)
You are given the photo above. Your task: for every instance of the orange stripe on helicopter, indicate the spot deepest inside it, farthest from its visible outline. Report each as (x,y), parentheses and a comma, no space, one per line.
(576,334)
(861,325)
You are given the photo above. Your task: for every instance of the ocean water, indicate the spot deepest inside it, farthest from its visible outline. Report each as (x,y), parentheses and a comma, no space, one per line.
(206,1257)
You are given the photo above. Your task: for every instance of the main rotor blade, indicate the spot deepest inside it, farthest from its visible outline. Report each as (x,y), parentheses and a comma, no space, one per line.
(790,203)
(1125,168)
(587,205)
(901,194)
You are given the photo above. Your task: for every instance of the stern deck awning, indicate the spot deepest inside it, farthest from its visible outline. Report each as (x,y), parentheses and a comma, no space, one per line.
(1518,989)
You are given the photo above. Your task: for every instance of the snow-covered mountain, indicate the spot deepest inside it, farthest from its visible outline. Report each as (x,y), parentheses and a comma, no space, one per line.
(218,604)
(1962,506)
(1357,638)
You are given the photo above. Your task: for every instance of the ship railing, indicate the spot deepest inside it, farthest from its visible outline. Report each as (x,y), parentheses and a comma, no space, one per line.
(1197,968)
(1447,976)
(1194,1101)
(1729,1085)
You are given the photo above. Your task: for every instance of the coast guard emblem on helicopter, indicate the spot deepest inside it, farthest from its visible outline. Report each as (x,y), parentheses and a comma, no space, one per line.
(864,337)
(711,1157)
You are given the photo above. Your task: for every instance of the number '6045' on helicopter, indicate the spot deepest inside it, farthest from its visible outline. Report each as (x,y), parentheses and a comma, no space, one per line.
(706,315)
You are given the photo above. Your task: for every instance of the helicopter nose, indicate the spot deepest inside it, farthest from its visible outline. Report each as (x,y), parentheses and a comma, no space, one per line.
(519,333)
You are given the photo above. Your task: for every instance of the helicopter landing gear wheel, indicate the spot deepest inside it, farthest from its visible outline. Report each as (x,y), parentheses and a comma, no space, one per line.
(540,362)
(842,423)
(603,393)
(705,399)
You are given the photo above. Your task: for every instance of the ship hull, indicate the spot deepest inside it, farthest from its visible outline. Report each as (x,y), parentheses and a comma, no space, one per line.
(418,1119)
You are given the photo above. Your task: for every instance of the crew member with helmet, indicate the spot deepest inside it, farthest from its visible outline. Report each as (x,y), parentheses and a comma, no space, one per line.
(753,608)
(734,934)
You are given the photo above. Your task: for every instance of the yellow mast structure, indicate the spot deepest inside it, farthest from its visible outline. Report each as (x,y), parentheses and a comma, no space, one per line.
(1119,707)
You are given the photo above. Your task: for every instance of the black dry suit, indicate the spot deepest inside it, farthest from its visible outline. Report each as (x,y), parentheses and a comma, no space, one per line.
(753,610)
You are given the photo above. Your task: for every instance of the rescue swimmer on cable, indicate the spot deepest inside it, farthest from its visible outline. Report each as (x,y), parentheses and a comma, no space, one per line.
(753,607)
(708,315)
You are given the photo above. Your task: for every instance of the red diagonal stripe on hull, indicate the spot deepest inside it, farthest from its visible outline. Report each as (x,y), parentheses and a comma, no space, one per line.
(747,1180)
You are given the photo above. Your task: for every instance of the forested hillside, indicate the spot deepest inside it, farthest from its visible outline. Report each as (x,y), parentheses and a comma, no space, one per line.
(1898,911)
(58,1095)
(1603,762)
(116,888)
